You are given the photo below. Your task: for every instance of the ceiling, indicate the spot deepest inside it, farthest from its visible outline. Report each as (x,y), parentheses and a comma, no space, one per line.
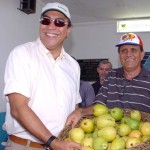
(83,11)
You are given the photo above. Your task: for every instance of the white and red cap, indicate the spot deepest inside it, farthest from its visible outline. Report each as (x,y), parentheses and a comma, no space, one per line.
(130,39)
(57,7)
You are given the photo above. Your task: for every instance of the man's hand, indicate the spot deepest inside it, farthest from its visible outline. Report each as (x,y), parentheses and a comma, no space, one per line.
(74,117)
(65,145)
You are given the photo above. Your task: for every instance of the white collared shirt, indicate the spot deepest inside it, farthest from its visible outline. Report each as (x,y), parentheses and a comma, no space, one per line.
(52,86)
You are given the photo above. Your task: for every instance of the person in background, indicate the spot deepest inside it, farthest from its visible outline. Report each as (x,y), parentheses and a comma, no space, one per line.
(103,69)
(87,94)
(42,86)
(125,87)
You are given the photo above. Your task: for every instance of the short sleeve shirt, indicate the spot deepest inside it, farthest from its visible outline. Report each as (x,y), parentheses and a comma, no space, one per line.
(117,91)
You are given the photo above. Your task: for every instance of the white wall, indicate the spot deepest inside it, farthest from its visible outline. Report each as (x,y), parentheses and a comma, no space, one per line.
(98,40)
(94,40)
(16,27)
(91,40)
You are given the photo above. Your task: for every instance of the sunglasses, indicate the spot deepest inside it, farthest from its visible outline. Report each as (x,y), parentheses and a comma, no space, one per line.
(58,21)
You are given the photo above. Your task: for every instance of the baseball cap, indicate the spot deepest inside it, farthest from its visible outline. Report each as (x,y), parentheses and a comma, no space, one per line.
(130,39)
(57,7)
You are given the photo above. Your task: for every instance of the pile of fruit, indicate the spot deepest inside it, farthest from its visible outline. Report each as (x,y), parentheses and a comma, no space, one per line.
(110,129)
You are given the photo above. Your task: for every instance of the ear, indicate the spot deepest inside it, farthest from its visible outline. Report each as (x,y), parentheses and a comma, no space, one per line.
(68,31)
(97,70)
(142,54)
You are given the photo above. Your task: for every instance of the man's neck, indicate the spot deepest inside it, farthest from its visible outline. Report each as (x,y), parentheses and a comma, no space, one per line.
(55,53)
(131,74)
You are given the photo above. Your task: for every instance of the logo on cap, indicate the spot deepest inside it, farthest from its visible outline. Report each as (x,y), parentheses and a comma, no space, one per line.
(62,8)
(128,37)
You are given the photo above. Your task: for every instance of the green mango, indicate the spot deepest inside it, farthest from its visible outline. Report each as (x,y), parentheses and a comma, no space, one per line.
(134,124)
(118,144)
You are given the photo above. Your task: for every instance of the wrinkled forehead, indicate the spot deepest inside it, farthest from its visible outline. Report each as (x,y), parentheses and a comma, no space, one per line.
(129,46)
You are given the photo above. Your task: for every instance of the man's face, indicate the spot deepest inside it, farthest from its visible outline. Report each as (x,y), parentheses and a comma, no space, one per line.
(130,57)
(103,70)
(51,35)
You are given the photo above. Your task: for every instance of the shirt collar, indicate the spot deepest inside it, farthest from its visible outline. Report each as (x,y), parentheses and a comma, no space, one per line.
(143,72)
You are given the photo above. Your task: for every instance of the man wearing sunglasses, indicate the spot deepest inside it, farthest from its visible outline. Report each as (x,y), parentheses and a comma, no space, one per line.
(42,86)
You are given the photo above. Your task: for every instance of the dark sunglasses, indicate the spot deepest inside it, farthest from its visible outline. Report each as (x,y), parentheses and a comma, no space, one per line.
(58,21)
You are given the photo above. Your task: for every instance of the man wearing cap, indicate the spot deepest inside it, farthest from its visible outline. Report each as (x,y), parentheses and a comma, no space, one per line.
(125,87)
(42,86)
(103,69)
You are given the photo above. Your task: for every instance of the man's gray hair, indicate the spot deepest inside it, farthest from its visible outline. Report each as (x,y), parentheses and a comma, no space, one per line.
(105,62)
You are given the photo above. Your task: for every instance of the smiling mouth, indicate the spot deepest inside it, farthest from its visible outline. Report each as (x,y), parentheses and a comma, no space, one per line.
(51,34)
(130,60)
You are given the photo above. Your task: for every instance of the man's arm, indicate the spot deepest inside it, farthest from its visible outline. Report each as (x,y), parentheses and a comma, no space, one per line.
(26,117)
(89,95)
(30,121)
(77,114)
